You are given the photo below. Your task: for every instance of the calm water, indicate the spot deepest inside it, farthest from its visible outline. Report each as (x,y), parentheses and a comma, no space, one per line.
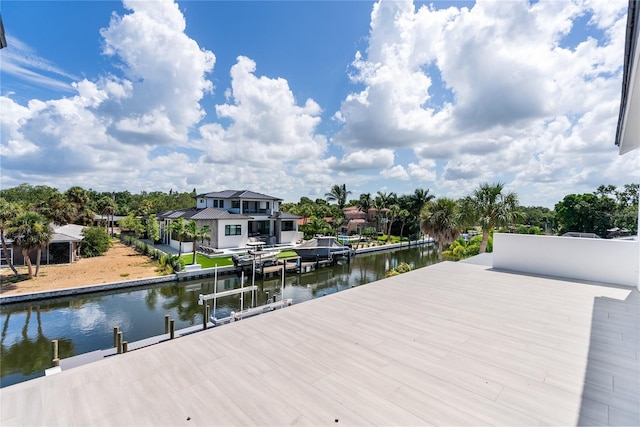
(85,323)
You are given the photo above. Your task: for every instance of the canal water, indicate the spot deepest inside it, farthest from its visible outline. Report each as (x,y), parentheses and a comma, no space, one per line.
(84,323)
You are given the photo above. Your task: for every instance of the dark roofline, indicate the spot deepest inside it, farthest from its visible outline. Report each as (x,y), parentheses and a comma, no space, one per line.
(633,16)
(238,194)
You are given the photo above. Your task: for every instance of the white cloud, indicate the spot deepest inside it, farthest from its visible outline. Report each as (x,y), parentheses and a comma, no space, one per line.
(395,172)
(513,102)
(166,68)
(269,129)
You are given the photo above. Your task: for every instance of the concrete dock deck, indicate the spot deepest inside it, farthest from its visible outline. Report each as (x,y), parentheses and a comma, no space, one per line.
(450,344)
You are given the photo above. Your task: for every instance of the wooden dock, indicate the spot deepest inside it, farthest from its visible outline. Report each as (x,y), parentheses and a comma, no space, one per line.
(449,344)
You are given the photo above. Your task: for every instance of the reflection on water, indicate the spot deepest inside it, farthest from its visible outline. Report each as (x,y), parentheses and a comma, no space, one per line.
(85,323)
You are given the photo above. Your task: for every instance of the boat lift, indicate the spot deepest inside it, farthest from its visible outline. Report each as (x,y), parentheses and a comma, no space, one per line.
(243,313)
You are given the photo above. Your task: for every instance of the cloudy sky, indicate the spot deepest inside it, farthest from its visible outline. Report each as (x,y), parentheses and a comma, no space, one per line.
(289,98)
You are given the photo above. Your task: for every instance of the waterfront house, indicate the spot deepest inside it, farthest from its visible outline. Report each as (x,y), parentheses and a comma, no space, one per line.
(63,248)
(235,219)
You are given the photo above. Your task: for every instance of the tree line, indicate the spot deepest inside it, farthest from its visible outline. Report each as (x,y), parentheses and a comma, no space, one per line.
(27,211)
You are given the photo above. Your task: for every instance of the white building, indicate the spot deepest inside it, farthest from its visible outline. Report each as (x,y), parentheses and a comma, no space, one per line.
(235,218)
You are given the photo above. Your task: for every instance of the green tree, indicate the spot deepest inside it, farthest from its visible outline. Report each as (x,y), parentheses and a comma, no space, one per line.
(178,231)
(132,224)
(153,229)
(441,219)
(489,206)
(79,198)
(418,199)
(403,216)
(58,210)
(8,213)
(106,206)
(31,231)
(315,226)
(586,213)
(393,213)
(339,195)
(365,203)
(96,242)
(195,233)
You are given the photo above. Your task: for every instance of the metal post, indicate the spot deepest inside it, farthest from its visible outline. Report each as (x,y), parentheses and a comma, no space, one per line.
(204,316)
(55,360)
(282,287)
(253,280)
(208,312)
(172,328)
(241,293)
(116,329)
(215,288)
(166,323)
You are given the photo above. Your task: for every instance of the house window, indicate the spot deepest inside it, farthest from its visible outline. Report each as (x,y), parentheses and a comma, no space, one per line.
(235,204)
(221,204)
(287,226)
(232,230)
(245,206)
(215,203)
(267,205)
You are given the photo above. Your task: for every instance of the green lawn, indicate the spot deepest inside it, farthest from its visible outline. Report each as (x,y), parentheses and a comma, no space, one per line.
(207,262)
(223,261)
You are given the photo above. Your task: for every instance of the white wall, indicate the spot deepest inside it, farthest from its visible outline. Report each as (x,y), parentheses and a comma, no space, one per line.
(598,260)
(226,242)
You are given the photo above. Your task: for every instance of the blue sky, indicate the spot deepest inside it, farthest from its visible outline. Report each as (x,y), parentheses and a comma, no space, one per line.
(289,98)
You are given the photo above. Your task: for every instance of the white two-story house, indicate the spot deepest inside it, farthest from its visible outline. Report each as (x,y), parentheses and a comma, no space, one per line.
(236,218)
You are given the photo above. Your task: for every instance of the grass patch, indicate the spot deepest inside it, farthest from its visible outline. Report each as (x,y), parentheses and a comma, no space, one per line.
(207,262)
(287,254)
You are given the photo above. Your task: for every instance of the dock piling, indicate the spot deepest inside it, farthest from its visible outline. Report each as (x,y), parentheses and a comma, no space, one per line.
(166,323)
(172,328)
(119,342)
(116,329)
(125,346)
(55,360)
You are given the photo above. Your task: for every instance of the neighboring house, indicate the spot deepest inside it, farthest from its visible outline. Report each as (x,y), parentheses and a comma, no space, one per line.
(357,220)
(235,218)
(64,247)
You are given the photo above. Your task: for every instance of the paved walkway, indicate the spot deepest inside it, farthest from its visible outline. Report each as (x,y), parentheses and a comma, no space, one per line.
(450,344)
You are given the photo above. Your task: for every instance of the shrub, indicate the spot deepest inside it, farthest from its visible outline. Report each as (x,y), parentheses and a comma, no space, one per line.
(96,242)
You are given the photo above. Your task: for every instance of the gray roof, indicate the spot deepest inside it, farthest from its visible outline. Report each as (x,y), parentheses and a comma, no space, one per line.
(67,233)
(201,214)
(237,194)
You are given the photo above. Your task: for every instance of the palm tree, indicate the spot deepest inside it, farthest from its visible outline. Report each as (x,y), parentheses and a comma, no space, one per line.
(393,213)
(419,197)
(441,220)
(364,203)
(192,231)
(106,206)
(490,207)
(338,194)
(30,231)
(8,212)
(403,215)
(179,228)
(382,201)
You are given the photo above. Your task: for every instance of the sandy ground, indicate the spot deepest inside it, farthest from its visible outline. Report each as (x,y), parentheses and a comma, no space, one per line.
(118,264)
